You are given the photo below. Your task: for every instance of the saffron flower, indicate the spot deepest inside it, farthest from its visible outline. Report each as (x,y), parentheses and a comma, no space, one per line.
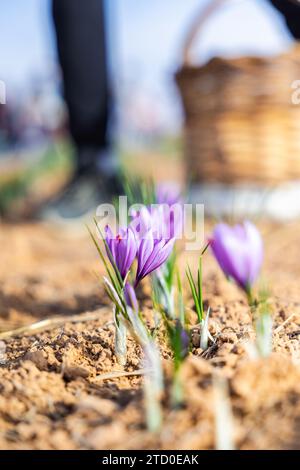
(239,252)
(121,249)
(152,253)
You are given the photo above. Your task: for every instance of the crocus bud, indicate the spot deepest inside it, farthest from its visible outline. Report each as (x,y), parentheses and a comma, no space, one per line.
(239,252)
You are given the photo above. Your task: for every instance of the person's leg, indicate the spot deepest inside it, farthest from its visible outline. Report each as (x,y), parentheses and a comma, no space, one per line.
(291,11)
(80,32)
(81,47)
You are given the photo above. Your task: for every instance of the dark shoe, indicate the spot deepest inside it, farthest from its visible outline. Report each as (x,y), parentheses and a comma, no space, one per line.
(81,197)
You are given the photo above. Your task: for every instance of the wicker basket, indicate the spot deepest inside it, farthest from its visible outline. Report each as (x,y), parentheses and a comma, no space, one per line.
(241,125)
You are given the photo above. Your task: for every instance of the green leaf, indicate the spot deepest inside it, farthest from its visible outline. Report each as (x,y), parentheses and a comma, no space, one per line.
(200,298)
(101,255)
(181,310)
(169,270)
(194,293)
(205,248)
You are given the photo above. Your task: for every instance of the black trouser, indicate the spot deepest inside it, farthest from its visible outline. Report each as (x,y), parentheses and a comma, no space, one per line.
(291,11)
(81,45)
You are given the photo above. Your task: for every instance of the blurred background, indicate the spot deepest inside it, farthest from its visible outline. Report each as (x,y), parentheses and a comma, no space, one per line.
(144,44)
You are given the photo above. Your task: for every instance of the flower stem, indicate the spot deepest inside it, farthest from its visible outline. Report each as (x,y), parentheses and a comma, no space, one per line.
(264,334)
(120,340)
(177,389)
(250,297)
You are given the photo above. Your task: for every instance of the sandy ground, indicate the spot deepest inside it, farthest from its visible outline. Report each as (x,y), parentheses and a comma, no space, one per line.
(52,395)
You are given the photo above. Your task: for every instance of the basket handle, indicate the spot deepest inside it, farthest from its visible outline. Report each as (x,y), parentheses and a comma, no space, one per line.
(196,26)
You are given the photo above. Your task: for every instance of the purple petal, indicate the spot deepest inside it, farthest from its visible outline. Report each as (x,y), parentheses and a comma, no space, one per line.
(230,253)
(122,248)
(152,258)
(159,255)
(144,251)
(255,258)
(131,249)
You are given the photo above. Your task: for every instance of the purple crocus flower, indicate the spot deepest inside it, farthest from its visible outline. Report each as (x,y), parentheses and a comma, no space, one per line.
(239,252)
(152,253)
(122,248)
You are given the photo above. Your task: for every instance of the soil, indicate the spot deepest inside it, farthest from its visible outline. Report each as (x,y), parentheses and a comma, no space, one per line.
(52,391)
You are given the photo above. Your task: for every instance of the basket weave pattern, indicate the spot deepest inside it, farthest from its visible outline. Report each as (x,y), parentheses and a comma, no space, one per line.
(240,122)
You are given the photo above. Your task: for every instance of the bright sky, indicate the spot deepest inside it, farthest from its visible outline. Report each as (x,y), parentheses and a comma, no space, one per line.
(145,37)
